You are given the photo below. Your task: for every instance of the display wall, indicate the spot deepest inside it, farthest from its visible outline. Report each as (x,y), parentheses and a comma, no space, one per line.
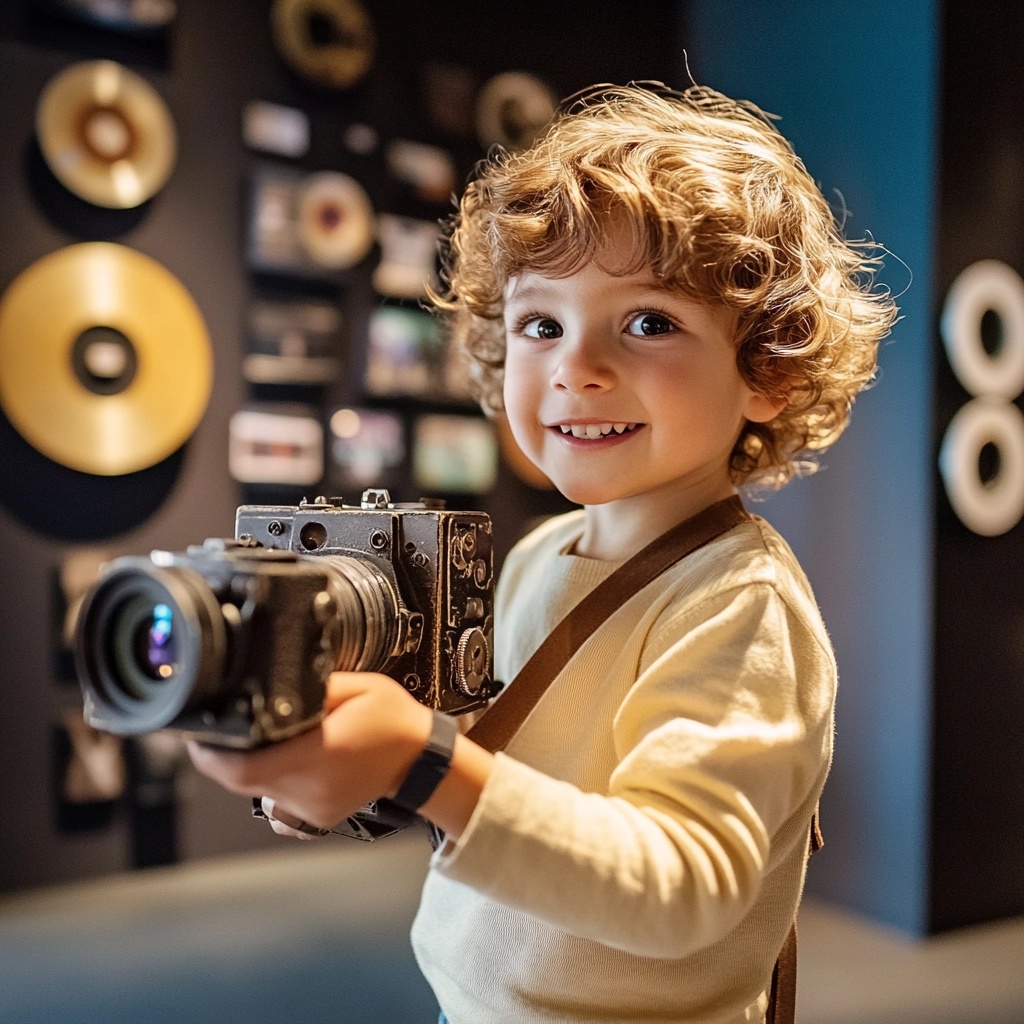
(215,226)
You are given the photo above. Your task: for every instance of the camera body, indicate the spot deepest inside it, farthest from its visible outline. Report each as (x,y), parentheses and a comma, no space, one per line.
(231,642)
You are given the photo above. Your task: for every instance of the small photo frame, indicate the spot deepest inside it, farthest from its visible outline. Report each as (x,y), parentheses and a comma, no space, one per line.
(276,444)
(146,19)
(408,262)
(310,226)
(428,171)
(404,355)
(273,128)
(292,343)
(367,446)
(454,454)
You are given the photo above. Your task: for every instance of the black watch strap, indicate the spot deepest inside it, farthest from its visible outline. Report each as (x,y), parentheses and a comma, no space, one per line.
(430,767)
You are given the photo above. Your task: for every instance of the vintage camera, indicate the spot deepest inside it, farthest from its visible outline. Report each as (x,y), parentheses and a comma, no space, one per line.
(231,642)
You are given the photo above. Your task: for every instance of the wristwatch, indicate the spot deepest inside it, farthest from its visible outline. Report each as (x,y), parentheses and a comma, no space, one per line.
(430,767)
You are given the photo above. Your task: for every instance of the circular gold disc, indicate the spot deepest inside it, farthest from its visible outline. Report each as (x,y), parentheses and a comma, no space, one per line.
(329,42)
(105,361)
(106,134)
(335,220)
(513,108)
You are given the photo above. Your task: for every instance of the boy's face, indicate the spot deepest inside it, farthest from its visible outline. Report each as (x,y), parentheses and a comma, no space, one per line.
(616,387)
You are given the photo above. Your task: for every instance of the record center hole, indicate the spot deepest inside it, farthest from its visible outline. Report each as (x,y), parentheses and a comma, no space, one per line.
(330,216)
(322,30)
(107,133)
(104,360)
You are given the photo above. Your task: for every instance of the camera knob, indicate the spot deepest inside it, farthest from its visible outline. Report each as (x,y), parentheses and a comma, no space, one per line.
(471,662)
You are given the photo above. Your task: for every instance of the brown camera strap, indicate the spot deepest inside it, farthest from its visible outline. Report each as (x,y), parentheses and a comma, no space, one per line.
(503,720)
(782,994)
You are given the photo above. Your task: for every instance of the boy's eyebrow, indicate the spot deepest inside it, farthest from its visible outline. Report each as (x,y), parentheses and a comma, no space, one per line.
(542,287)
(516,291)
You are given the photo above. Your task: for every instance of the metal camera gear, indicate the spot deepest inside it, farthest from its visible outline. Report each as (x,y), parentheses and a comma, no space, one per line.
(231,642)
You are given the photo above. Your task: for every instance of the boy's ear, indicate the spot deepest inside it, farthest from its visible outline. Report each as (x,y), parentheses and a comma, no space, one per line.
(762,408)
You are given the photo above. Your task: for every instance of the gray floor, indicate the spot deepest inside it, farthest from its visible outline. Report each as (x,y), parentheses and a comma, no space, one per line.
(319,933)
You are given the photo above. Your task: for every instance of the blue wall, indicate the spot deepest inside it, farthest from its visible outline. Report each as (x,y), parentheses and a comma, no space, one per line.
(855,84)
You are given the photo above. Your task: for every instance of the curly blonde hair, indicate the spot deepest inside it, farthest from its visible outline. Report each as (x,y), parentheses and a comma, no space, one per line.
(721,209)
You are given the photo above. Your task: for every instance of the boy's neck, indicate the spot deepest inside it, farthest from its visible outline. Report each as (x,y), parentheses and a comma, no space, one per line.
(619,529)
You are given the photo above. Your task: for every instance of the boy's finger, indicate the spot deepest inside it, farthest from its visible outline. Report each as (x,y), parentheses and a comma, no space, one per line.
(238,772)
(284,823)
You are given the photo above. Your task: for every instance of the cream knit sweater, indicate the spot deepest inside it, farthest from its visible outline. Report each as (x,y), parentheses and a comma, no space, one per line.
(638,852)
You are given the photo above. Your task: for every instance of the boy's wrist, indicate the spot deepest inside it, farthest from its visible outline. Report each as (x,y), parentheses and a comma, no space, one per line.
(430,766)
(452,803)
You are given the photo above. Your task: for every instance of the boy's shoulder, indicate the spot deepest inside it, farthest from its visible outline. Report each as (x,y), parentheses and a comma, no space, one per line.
(752,553)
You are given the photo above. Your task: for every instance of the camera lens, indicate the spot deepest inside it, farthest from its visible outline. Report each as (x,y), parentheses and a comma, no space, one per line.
(156,648)
(143,644)
(151,643)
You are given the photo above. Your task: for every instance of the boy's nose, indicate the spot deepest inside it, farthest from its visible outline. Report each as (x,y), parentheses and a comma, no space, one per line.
(581,364)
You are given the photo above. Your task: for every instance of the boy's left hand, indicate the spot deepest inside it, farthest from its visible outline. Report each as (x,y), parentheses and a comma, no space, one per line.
(363,748)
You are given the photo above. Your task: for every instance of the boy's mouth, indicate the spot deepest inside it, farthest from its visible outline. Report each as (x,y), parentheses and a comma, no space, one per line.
(593,431)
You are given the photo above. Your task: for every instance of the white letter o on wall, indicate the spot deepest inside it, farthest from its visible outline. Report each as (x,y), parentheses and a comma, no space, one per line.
(986,286)
(993,506)
(989,507)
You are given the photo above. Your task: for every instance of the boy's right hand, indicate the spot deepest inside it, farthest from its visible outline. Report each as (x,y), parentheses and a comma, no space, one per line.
(361,750)
(373,732)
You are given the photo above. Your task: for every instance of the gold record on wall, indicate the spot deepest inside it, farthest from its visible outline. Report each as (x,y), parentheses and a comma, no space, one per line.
(328,42)
(106,134)
(335,220)
(513,109)
(105,361)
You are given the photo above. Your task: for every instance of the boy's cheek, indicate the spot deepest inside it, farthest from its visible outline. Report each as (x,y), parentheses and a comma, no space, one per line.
(521,464)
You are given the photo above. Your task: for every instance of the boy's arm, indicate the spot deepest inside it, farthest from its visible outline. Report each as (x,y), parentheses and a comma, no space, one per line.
(722,746)
(362,750)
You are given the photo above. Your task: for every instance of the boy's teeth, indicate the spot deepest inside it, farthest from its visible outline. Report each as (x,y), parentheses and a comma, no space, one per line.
(594,430)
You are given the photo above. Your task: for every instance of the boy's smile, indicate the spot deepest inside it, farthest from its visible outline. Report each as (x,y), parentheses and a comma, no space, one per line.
(596,431)
(624,392)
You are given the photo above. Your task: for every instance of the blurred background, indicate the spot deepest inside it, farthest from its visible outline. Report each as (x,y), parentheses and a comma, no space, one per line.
(245,195)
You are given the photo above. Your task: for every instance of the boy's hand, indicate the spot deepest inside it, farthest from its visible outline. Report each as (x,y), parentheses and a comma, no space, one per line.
(362,749)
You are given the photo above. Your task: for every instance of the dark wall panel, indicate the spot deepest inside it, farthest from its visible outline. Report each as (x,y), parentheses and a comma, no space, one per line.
(977,857)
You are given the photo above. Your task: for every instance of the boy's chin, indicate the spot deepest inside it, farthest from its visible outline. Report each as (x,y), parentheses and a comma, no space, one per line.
(585,494)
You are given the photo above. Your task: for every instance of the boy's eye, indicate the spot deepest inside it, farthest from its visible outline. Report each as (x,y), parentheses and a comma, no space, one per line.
(650,324)
(542,327)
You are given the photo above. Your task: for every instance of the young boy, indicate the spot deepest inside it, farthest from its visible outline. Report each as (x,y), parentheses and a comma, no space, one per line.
(658,296)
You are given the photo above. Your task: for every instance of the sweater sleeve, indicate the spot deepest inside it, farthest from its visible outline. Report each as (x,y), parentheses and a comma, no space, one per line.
(724,737)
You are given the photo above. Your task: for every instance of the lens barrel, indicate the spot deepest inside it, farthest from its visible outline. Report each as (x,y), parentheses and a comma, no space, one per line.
(367,613)
(151,643)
